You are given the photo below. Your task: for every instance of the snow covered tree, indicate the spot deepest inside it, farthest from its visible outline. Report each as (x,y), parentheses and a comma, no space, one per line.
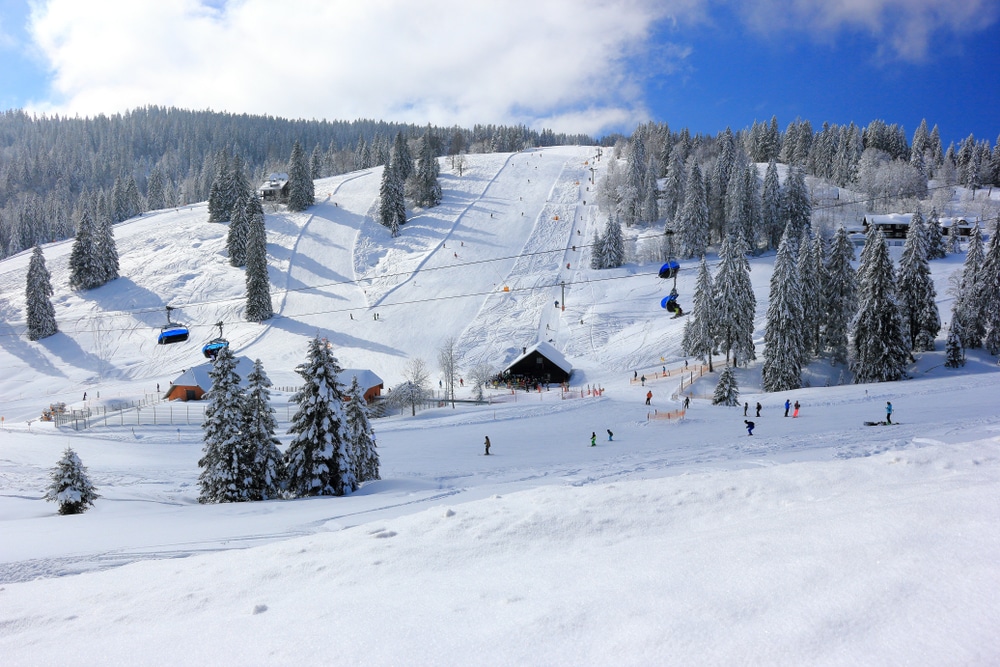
(392,200)
(105,249)
(691,222)
(226,464)
(427,188)
(316,163)
(318,457)
(969,307)
(413,391)
(917,296)
(650,206)
(935,236)
(811,274)
(840,288)
(156,190)
(448,362)
(301,189)
(267,463)
(360,434)
(743,204)
(220,196)
(699,339)
(798,206)
(727,391)
(259,307)
(400,157)
(41,315)
(480,375)
(991,291)
(613,244)
(71,486)
(783,330)
(771,207)
(597,260)
(239,230)
(954,353)
(673,192)
(84,267)
(735,303)
(878,348)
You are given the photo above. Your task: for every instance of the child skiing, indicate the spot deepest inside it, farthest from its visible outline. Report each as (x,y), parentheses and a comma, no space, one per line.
(649,396)
(611,436)
(750,426)
(796,413)
(593,439)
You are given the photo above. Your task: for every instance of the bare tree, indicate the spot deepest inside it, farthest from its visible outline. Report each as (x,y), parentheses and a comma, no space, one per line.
(480,376)
(448,361)
(414,390)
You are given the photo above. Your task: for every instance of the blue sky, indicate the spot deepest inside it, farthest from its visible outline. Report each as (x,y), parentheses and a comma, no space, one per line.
(572,65)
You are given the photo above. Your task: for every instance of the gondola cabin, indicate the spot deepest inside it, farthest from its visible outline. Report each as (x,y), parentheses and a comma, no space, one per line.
(212,347)
(175,333)
(669,270)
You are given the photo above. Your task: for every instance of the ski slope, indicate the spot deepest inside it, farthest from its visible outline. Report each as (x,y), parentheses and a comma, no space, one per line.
(816,541)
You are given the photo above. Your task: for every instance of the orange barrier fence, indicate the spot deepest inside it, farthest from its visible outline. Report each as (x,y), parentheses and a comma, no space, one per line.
(673,414)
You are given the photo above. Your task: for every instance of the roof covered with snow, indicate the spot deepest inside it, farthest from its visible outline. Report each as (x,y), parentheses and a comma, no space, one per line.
(547,351)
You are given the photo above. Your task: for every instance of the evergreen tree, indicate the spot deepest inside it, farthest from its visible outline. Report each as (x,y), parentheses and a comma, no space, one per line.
(259,307)
(71,486)
(878,349)
(84,267)
(935,237)
(360,434)
(673,193)
(239,230)
(771,207)
(267,467)
(400,157)
(969,307)
(220,201)
(991,291)
(811,275)
(156,186)
(735,303)
(699,338)
(783,330)
(105,249)
(798,207)
(301,189)
(650,208)
(316,163)
(613,244)
(597,260)
(692,219)
(954,353)
(318,458)
(917,296)
(839,296)
(41,315)
(227,463)
(427,190)
(727,391)
(392,202)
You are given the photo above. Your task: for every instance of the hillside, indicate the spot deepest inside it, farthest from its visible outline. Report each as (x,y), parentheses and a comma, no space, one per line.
(818,540)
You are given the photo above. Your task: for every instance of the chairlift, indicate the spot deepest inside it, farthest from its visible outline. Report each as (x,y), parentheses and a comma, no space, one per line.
(212,347)
(172,332)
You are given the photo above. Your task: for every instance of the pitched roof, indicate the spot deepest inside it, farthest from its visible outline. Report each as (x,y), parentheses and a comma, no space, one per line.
(366,378)
(547,351)
(198,376)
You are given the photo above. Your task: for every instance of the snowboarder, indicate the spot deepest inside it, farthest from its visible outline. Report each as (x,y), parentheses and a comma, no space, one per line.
(649,396)
(635,375)
(746,406)
(788,404)
(487,443)
(796,413)
(611,436)
(758,408)
(593,439)
(888,412)
(750,426)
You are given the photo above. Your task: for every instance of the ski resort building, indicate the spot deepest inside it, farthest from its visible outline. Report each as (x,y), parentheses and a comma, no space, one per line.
(895,225)
(370,383)
(274,188)
(540,363)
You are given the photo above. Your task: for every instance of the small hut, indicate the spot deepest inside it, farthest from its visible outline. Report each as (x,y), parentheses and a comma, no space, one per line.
(192,384)
(540,363)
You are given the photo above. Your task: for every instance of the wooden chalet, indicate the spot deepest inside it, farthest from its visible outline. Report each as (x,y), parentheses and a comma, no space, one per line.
(540,363)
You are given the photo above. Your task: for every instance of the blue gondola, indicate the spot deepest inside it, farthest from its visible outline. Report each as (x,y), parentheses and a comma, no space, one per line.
(172,333)
(669,270)
(669,301)
(212,347)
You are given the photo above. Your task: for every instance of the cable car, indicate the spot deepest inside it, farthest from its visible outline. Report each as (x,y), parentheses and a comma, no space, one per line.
(669,270)
(172,332)
(212,347)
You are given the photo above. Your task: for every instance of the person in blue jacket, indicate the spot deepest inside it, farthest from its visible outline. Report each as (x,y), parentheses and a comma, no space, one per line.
(888,412)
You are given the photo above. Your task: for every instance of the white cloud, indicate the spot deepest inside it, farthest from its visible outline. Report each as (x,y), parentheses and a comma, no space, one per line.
(907,27)
(439,61)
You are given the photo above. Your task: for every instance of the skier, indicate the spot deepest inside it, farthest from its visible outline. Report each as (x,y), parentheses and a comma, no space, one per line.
(593,439)
(611,435)
(758,408)
(643,380)
(746,406)
(787,405)
(84,395)
(649,396)
(487,443)
(750,426)
(687,402)
(796,413)
(888,412)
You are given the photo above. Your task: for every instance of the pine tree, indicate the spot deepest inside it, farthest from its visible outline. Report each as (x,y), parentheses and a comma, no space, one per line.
(953,351)
(839,296)
(71,486)
(41,315)
(771,207)
(935,237)
(227,463)
(400,157)
(84,269)
(360,434)
(735,303)
(991,291)
(692,219)
(969,307)
(318,457)
(259,307)
(613,244)
(676,181)
(699,338)
(316,163)
(783,332)
(878,349)
(239,230)
(811,275)
(727,391)
(427,191)
(798,207)
(106,250)
(301,189)
(650,207)
(156,190)
(267,468)
(917,296)
(392,202)
(220,202)
(597,260)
